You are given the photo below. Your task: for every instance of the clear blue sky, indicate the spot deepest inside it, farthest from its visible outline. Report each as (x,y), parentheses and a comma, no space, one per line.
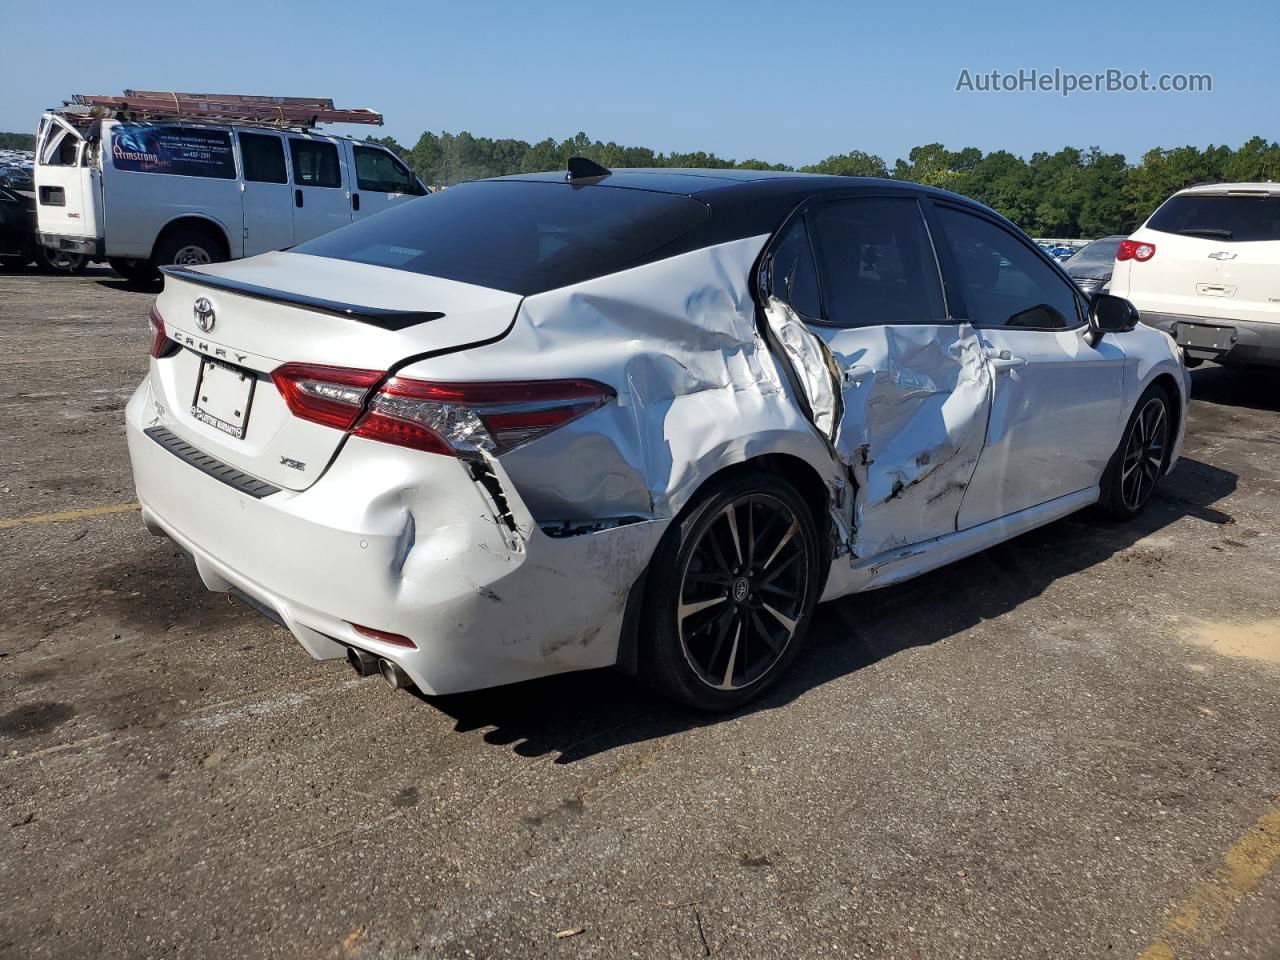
(789,81)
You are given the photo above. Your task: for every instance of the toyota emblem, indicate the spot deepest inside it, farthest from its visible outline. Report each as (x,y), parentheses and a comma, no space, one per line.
(204,314)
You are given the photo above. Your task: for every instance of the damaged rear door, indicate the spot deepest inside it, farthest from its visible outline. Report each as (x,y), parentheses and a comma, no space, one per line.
(901,389)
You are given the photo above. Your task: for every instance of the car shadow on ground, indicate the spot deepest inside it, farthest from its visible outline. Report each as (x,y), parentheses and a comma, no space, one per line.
(113,282)
(31,270)
(1257,388)
(581,714)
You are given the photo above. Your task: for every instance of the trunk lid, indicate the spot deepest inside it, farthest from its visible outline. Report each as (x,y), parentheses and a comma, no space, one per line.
(237,322)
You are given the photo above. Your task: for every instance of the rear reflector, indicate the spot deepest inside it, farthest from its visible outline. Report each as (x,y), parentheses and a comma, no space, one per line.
(1135,250)
(385,637)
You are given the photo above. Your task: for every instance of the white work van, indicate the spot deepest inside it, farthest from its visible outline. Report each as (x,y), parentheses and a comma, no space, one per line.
(145,194)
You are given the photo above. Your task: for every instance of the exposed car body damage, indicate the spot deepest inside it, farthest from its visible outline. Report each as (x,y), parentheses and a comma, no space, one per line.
(905,409)
(501,561)
(697,388)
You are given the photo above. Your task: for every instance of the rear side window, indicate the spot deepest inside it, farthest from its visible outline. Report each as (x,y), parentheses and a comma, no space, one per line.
(875,263)
(181,151)
(263,158)
(516,235)
(1235,217)
(379,172)
(793,278)
(60,150)
(1005,283)
(315,164)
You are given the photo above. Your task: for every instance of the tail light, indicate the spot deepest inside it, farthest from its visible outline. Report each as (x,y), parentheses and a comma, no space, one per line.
(161,345)
(1138,250)
(333,396)
(455,419)
(463,419)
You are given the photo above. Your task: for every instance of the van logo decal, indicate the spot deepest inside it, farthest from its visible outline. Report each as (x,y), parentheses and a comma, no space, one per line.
(1222,255)
(203,311)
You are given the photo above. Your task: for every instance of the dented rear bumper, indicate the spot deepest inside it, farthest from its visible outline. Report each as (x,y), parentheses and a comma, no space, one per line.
(409,543)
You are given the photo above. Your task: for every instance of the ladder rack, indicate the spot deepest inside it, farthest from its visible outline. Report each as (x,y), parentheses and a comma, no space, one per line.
(229,108)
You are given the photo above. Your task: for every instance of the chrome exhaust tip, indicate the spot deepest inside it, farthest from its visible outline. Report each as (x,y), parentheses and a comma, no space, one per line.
(362,662)
(396,678)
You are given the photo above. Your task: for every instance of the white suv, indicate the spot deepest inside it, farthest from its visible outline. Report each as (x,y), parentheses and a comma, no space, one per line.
(1206,268)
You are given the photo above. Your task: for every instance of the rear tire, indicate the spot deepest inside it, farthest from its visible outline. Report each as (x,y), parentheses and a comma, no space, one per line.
(1137,465)
(139,272)
(732,587)
(189,247)
(60,261)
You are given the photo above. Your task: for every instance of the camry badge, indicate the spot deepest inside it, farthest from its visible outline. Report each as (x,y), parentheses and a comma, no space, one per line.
(1222,255)
(204,314)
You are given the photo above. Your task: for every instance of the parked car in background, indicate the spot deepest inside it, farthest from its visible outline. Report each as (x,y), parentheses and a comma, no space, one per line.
(1090,266)
(18,245)
(16,177)
(639,417)
(1206,268)
(1059,251)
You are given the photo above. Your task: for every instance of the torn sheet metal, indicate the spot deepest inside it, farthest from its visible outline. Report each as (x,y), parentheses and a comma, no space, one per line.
(892,418)
(906,410)
(698,388)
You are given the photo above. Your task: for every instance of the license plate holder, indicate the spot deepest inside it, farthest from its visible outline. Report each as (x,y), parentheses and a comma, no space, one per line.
(1202,336)
(223,396)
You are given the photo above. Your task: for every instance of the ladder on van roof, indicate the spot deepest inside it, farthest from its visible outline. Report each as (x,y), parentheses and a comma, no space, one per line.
(229,108)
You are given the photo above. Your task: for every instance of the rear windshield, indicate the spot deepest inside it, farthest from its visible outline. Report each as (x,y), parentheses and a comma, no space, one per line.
(521,236)
(1098,252)
(1220,217)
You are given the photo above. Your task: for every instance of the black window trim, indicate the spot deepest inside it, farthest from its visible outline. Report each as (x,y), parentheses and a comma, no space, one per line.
(288,161)
(293,179)
(413,177)
(867,193)
(952,269)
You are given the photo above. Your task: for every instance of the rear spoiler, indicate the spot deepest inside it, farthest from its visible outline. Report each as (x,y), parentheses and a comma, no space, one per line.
(387,319)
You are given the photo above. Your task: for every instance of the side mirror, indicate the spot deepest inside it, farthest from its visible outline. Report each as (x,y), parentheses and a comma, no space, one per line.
(1108,314)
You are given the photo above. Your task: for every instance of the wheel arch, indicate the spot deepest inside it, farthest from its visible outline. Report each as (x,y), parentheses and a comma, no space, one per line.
(796,470)
(194,221)
(1166,381)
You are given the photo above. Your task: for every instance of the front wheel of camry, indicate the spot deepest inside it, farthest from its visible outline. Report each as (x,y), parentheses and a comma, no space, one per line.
(732,587)
(1135,468)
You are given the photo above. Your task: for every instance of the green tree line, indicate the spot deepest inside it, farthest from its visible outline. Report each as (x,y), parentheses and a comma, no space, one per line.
(17,141)
(1071,193)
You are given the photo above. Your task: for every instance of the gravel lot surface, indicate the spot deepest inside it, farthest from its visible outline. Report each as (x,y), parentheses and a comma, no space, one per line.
(1063,747)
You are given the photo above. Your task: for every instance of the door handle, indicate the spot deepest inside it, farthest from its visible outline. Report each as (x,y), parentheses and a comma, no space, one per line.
(355,201)
(1003,359)
(853,376)
(297,198)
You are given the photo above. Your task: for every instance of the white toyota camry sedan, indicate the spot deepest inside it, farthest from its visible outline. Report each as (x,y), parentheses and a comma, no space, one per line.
(644,418)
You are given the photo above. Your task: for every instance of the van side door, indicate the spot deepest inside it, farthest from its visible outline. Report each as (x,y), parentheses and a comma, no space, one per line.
(320,186)
(267,195)
(381,180)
